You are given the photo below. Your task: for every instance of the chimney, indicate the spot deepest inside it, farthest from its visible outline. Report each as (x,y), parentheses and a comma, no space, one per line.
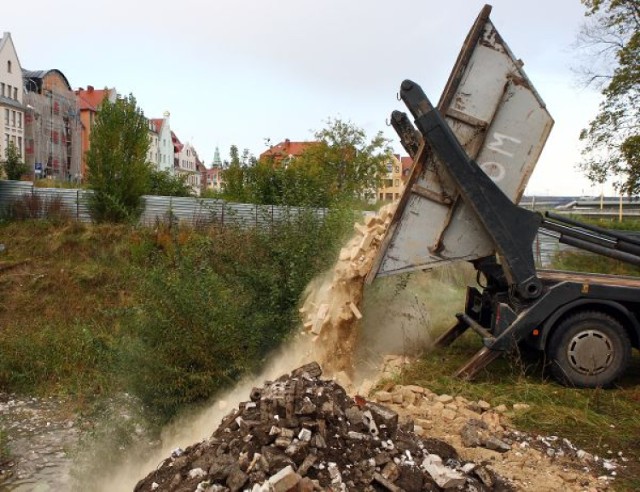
(89,88)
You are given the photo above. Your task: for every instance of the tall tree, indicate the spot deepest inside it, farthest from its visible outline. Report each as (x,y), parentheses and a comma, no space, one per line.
(349,165)
(236,175)
(13,165)
(118,172)
(612,139)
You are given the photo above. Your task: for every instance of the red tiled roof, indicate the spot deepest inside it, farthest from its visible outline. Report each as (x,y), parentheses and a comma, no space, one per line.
(177,144)
(157,123)
(90,98)
(286,149)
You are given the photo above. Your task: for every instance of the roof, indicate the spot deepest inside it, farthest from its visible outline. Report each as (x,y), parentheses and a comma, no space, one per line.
(4,40)
(90,98)
(177,144)
(286,149)
(41,74)
(157,123)
(5,101)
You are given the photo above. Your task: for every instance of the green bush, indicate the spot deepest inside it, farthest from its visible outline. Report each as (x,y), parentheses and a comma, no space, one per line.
(215,303)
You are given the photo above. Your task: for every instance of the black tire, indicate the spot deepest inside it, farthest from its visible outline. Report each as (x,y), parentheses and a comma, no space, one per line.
(590,349)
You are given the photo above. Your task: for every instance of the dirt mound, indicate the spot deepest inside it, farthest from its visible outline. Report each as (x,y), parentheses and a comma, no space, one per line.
(302,433)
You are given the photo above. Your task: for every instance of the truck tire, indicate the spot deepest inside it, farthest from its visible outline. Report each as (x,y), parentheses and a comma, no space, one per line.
(588,350)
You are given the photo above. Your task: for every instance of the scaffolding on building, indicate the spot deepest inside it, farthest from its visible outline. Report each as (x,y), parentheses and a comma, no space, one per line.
(52,131)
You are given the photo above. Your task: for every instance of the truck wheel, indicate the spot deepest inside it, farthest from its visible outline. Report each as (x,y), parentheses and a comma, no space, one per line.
(589,349)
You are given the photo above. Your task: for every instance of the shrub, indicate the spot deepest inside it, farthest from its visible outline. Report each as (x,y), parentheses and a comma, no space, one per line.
(34,206)
(215,304)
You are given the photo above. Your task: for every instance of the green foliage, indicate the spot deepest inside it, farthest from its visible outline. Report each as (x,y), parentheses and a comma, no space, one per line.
(612,139)
(341,166)
(13,165)
(69,358)
(235,176)
(163,183)
(351,165)
(214,304)
(118,172)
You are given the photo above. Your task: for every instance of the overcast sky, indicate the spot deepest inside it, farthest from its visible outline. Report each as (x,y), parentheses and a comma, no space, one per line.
(239,71)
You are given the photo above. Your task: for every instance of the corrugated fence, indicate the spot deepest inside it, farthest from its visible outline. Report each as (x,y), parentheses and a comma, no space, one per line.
(190,210)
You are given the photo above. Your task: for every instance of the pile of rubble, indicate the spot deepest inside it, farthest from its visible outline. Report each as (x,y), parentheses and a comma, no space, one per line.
(303,433)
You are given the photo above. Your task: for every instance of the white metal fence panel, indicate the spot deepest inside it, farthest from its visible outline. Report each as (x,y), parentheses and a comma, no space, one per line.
(186,210)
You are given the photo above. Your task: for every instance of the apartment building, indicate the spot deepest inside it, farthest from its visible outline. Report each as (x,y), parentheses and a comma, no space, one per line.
(165,146)
(397,173)
(12,109)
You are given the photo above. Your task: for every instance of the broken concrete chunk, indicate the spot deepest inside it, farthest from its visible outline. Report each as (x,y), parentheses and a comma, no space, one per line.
(305,435)
(308,462)
(384,416)
(386,483)
(496,444)
(444,399)
(284,480)
(485,476)
(312,369)
(484,406)
(391,471)
(236,479)
(197,473)
(470,435)
(444,476)
(370,423)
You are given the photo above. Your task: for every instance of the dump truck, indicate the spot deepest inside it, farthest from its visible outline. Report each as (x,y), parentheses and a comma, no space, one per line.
(473,155)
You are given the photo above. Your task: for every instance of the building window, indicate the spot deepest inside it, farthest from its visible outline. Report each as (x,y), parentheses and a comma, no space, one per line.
(19,120)
(20,146)
(396,182)
(6,117)
(15,93)
(9,66)
(2,89)
(13,119)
